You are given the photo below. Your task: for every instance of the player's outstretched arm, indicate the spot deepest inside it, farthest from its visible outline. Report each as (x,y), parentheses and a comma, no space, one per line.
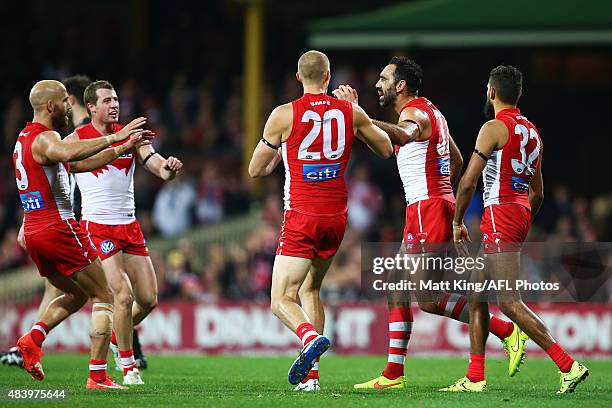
(376,139)
(48,148)
(491,135)
(110,153)
(536,188)
(155,163)
(267,155)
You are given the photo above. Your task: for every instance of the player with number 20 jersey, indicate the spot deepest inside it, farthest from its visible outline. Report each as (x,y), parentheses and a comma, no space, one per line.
(315,135)
(314,177)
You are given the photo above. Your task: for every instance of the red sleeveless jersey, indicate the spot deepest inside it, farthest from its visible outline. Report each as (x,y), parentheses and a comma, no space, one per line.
(43,190)
(510,169)
(424,166)
(316,154)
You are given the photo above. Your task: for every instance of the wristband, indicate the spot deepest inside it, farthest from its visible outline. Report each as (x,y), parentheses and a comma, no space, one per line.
(457,224)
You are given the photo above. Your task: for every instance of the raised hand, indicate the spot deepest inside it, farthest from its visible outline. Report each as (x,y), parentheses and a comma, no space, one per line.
(173,164)
(139,139)
(346,93)
(130,129)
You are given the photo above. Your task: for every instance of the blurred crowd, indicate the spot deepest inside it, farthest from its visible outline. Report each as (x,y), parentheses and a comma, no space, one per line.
(201,123)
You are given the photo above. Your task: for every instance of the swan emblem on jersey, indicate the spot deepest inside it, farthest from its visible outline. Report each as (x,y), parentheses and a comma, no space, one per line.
(121,163)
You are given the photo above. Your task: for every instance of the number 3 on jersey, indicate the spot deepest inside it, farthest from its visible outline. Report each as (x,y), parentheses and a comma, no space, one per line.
(328,152)
(22,179)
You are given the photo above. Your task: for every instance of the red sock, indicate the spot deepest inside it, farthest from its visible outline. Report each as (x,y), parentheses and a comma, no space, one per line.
(400,328)
(114,338)
(127,360)
(39,333)
(97,370)
(500,328)
(475,371)
(306,332)
(563,360)
(313,374)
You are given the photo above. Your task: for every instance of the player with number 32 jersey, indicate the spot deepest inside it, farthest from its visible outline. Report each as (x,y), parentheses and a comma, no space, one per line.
(507,215)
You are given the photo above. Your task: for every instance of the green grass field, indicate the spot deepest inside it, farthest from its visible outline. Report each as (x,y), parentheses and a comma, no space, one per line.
(181,381)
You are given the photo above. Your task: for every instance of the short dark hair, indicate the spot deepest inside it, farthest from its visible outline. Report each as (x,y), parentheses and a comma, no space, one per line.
(75,86)
(409,71)
(508,83)
(90,95)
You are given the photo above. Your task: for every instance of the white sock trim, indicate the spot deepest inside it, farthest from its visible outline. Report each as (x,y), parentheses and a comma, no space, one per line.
(398,343)
(450,305)
(97,367)
(400,326)
(396,358)
(127,362)
(308,334)
(40,328)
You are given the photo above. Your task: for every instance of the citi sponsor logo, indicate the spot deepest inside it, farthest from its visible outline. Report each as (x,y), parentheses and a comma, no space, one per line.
(321,172)
(444,166)
(32,201)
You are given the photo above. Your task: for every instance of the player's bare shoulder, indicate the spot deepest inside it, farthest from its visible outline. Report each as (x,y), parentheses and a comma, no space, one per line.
(280,120)
(416,114)
(282,114)
(496,130)
(41,145)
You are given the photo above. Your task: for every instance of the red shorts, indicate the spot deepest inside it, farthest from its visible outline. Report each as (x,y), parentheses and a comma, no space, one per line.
(504,227)
(309,236)
(110,239)
(429,225)
(63,247)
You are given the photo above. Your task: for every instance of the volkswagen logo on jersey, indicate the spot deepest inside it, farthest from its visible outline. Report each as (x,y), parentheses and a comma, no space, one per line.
(320,172)
(107,246)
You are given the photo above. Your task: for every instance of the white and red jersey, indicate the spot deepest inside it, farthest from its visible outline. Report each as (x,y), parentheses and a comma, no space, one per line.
(316,154)
(510,169)
(43,190)
(107,193)
(424,166)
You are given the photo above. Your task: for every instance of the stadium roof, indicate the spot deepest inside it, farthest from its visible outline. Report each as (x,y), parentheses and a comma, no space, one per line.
(469,23)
